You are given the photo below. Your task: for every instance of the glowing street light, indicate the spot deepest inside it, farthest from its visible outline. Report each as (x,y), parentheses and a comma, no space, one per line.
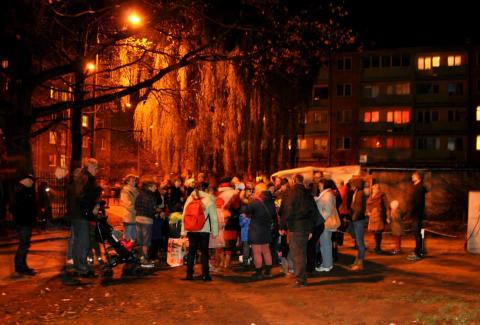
(90,67)
(134,19)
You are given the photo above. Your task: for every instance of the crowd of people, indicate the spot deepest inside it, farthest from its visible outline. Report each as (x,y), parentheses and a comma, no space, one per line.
(264,223)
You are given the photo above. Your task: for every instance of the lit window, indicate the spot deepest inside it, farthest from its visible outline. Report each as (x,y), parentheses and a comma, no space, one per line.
(63,161)
(85,121)
(52,160)
(375,116)
(320,144)
(302,143)
(63,138)
(389,117)
(367,117)
(478,113)
(5,64)
(421,64)
(478,142)
(454,60)
(405,116)
(52,92)
(53,137)
(428,63)
(436,61)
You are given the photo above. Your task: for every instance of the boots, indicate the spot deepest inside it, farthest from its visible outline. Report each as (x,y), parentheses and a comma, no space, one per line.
(258,275)
(357,266)
(335,253)
(267,272)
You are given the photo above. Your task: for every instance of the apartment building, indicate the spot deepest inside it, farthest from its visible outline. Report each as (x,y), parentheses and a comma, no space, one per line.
(413,107)
(331,121)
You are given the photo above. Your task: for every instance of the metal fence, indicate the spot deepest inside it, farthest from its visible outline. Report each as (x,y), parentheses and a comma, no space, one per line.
(57,193)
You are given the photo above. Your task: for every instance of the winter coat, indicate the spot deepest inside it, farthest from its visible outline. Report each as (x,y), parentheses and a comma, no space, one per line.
(326,203)
(145,204)
(417,203)
(358,205)
(128,195)
(396,222)
(244,225)
(377,207)
(24,208)
(210,210)
(298,211)
(262,212)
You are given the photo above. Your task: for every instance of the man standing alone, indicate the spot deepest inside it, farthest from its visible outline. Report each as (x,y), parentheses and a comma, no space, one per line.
(417,211)
(24,212)
(299,214)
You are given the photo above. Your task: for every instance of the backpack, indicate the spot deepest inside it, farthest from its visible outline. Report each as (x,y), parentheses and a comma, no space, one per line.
(194,216)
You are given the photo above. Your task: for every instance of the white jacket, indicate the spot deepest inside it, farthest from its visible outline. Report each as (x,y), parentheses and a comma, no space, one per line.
(127,203)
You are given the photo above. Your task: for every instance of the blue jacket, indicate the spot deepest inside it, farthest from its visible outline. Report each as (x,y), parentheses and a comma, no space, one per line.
(244,224)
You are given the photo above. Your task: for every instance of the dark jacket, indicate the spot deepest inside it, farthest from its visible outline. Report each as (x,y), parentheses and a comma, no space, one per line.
(83,194)
(145,204)
(359,204)
(262,212)
(298,211)
(417,204)
(23,208)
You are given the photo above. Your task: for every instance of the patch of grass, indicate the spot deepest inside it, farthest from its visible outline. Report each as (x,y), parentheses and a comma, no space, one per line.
(451,313)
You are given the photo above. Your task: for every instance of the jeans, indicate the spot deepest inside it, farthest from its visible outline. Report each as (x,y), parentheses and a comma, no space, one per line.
(287,263)
(198,241)
(326,248)
(81,244)
(24,234)
(417,232)
(311,247)
(359,229)
(298,250)
(130,231)
(246,252)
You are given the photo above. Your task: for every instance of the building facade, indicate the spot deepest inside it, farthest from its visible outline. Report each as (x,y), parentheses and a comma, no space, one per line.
(413,107)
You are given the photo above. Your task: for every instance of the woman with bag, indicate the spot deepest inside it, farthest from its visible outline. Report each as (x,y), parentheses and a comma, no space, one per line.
(328,210)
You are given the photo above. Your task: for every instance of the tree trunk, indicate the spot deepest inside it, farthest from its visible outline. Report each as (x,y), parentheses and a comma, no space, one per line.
(76,161)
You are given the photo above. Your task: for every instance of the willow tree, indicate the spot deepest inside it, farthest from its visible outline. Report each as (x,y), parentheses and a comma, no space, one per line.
(209,79)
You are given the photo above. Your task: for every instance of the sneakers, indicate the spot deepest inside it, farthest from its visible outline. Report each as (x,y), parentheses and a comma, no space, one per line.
(413,257)
(323,269)
(206,278)
(396,252)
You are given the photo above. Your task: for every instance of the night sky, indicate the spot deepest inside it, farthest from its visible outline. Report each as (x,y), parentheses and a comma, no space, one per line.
(391,23)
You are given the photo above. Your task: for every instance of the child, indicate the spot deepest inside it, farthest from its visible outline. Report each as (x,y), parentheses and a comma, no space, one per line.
(396,225)
(244,224)
(158,245)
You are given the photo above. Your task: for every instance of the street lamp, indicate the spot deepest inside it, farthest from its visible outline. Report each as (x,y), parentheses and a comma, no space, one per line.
(134,19)
(90,67)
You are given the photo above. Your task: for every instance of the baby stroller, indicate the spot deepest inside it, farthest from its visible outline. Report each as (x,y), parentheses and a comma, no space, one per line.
(117,250)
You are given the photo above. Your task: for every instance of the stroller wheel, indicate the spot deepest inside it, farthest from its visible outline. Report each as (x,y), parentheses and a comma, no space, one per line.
(107,273)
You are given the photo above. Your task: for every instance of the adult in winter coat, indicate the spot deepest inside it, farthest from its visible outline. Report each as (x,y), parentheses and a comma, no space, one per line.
(82,198)
(262,212)
(128,195)
(417,212)
(358,221)
(326,204)
(145,208)
(24,212)
(199,239)
(377,209)
(299,214)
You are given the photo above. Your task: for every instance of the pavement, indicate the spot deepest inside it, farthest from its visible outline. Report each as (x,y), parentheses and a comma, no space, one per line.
(47,253)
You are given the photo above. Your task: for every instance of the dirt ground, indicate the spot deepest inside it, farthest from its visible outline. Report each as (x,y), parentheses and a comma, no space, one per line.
(444,288)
